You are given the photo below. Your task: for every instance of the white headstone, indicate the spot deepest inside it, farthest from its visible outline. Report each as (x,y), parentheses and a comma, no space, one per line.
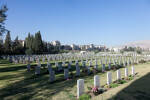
(80,87)
(88,69)
(52,76)
(66,73)
(126,72)
(77,70)
(109,65)
(28,66)
(49,68)
(109,78)
(118,74)
(96,81)
(103,68)
(69,66)
(132,71)
(37,70)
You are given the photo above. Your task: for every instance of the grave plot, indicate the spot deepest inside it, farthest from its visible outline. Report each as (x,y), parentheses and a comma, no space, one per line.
(55,74)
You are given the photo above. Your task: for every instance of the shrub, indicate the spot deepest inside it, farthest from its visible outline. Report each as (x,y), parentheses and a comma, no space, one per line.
(142,61)
(121,81)
(138,51)
(89,88)
(85,97)
(29,52)
(113,85)
(130,77)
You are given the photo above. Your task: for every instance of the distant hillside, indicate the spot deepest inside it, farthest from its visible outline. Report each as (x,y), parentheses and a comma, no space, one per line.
(143,44)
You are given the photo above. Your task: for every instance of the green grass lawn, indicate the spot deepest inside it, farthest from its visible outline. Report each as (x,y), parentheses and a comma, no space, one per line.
(18,84)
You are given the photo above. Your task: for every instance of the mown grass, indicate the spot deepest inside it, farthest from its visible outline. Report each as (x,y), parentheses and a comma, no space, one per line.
(16,83)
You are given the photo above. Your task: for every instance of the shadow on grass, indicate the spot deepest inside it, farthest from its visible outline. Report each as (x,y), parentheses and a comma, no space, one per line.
(31,87)
(138,90)
(12,68)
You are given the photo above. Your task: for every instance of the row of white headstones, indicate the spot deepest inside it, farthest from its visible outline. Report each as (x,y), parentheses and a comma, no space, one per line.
(80,82)
(24,59)
(66,71)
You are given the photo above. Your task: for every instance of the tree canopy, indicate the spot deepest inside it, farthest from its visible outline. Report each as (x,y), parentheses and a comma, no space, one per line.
(3,17)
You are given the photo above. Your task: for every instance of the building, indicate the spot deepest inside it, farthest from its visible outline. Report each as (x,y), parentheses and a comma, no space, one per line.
(22,42)
(66,47)
(91,46)
(56,43)
(74,47)
(115,49)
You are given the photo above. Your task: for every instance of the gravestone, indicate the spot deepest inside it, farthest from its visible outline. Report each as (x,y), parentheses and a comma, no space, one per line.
(52,76)
(49,68)
(126,72)
(66,73)
(128,63)
(118,74)
(63,64)
(80,87)
(37,70)
(124,63)
(24,61)
(28,67)
(132,71)
(119,62)
(109,61)
(43,59)
(109,66)
(90,63)
(39,64)
(48,59)
(56,64)
(84,64)
(96,67)
(88,70)
(69,65)
(109,78)
(96,81)
(70,62)
(105,61)
(77,70)
(103,67)
(96,62)
(101,62)
(60,67)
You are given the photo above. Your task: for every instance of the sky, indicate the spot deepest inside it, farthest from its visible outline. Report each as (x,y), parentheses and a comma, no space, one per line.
(100,22)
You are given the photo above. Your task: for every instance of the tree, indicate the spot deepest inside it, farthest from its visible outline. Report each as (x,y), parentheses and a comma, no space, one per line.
(38,43)
(28,52)
(7,44)
(29,44)
(138,51)
(1,49)
(27,41)
(17,48)
(121,51)
(3,16)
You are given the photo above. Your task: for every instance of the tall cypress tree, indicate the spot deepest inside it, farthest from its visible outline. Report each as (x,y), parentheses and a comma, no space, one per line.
(17,48)
(32,42)
(7,44)
(1,49)
(27,40)
(38,43)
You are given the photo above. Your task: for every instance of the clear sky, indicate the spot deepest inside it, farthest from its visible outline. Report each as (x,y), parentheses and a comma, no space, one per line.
(108,22)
